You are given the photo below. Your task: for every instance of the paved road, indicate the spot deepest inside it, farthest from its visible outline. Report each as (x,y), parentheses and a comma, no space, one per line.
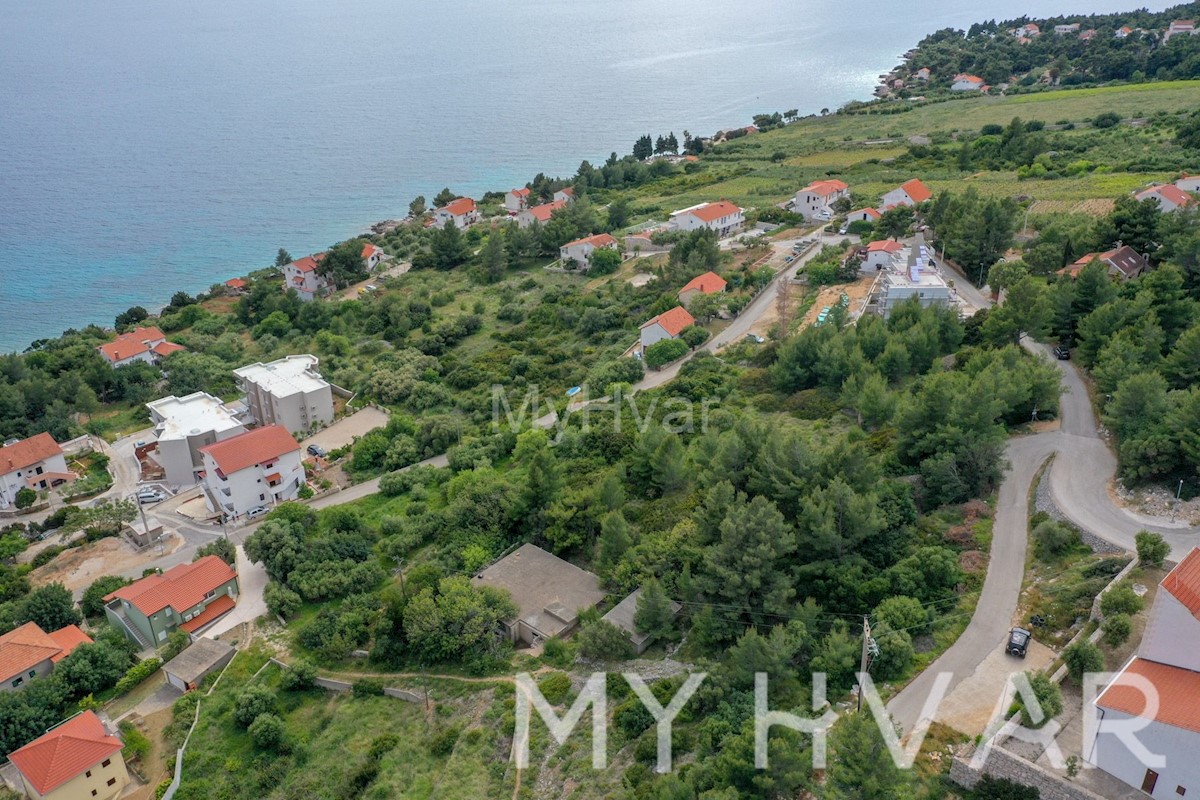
(1079,480)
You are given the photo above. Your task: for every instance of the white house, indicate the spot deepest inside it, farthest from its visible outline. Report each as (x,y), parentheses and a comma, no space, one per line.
(1188,183)
(911,193)
(140,344)
(35,463)
(724,217)
(1180,27)
(460,213)
(565,194)
(539,214)
(302,276)
(863,215)
(259,468)
(1123,32)
(1168,196)
(288,392)
(967,83)
(922,74)
(516,200)
(1027,31)
(815,201)
(580,251)
(185,425)
(666,325)
(881,255)
(1158,690)
(372,256)
(1063,30)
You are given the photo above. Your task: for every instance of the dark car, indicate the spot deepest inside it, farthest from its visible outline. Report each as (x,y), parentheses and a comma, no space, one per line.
(1062,353)
(317,450)
(1018,642)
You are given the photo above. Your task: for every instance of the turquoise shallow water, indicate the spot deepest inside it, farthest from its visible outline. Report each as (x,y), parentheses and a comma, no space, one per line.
(151,147)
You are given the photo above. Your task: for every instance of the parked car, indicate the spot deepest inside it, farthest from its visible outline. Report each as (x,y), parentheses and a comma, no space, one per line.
(317,450)
(1018,642)
(257,511)
(148,496)
(842,231)
(1062,353)
(755,338)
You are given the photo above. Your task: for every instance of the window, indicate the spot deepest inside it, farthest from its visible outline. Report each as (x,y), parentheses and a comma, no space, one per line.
(106,762)
(111,781)
(1179,790)
(33,673)
(18,682)
(88,774)
(93,790)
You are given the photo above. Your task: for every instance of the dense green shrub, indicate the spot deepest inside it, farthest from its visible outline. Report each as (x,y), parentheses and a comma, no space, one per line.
(138,673)
(1120,600)
(1152,548)
(1082,657)
(555,687)
(1117,629)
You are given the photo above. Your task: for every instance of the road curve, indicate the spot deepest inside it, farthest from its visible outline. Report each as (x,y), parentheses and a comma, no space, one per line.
(1079,481)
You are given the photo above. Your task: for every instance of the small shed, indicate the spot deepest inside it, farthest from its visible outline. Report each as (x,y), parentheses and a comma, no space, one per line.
(146,534)
(186,670)
(621,616)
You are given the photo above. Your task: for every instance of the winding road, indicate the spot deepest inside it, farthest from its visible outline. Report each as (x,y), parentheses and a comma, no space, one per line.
(1079,480)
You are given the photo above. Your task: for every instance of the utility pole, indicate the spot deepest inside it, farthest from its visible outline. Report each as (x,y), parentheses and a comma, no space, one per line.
(862,669)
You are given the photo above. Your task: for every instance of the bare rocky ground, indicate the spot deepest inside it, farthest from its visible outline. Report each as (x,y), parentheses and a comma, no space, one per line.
(1159,501)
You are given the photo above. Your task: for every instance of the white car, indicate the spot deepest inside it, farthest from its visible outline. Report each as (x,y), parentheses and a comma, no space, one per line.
(257,511)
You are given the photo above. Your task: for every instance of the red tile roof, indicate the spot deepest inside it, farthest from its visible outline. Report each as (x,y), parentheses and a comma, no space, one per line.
(370,250)
(714,211)
(166,348)
(28,452)
(1178,693)
(569,191)
(1183,582)
(236,283)
(23,648)
(252,447)
(459,207)
(181,587)
(74,746)
(708,283)
(1168,191)
(130,344)
(673,321)
(68,639)
(222,605)
(965,77)
(596,240)
(543,212)
(917,190)
(870,212)
(886,246)
(523,192)
(825,188)
(308,263)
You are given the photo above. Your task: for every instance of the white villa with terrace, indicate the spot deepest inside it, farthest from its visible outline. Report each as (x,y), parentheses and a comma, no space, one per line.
(723,217)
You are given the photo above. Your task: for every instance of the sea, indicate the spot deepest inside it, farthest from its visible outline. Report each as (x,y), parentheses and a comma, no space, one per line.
(151,147)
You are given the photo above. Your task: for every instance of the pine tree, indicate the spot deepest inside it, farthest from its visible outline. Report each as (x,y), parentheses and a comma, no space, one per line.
(494,260)
(615,539)
(861,767)
(668,465)
(653,614)
(612,492)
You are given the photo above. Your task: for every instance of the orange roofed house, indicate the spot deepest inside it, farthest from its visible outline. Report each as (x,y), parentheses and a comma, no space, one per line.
(34,463)
(78,760)
(815,201)
(516,200)
(28,652)
(666,325)
(708,283)
(1158,690)
(302,276)
(1122,262)
(460,213)
(881,255)
(912,193)
(1168,196)
(579,252)
(188,596)
(372,256)
(253,470)
(540,214)
(724,217)
(140,344)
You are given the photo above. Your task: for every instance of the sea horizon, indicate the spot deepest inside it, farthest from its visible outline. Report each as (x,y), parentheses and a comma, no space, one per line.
(156,150)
